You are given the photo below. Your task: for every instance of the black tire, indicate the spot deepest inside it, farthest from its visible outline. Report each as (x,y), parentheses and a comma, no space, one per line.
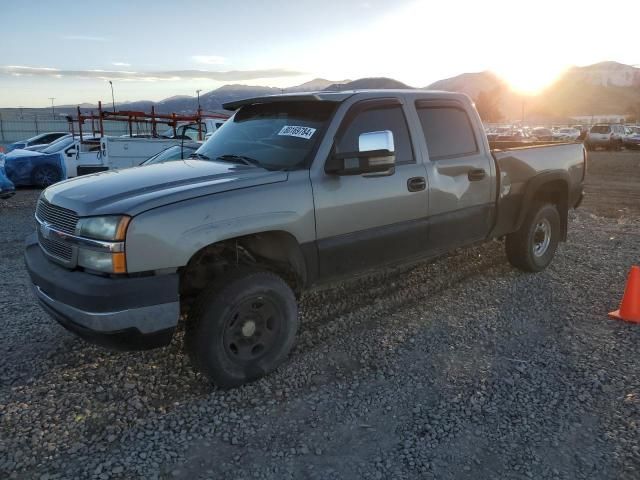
(45,175)
(241,327)
(529,248)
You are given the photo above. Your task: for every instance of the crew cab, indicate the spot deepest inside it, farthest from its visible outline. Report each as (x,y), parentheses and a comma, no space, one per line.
(292,192)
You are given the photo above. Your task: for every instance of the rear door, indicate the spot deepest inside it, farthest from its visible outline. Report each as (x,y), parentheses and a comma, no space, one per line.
(368,220)
(460,172)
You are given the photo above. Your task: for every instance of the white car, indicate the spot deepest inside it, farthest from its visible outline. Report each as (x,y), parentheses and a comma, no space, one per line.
(42,146)
(566,134)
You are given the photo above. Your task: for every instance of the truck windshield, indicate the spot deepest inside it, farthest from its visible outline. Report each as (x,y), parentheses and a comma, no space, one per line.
(276,136)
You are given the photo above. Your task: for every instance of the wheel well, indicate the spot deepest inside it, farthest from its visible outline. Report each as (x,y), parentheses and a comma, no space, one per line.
(275,251)
(557,193)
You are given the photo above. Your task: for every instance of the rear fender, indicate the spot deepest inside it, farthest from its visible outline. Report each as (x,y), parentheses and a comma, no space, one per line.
(551,185)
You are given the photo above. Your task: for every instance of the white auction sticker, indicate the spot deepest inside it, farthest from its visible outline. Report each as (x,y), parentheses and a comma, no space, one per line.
(296,131)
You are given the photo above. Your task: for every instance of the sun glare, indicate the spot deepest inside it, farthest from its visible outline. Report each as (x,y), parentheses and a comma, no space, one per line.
(529,79)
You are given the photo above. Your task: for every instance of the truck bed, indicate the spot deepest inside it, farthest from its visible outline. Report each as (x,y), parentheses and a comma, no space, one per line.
(521,167)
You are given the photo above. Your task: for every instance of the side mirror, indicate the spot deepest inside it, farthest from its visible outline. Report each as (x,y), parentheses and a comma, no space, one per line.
(376,154)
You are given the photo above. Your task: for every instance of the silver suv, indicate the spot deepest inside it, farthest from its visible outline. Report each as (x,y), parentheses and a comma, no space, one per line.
(608,136)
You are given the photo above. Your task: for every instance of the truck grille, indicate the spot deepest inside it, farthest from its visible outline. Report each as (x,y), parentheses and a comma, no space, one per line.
(61,219)
(61,250)
(58,217)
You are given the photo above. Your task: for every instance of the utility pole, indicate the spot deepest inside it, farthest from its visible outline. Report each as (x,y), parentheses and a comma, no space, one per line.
(113,100)
(53,110)
(198,93)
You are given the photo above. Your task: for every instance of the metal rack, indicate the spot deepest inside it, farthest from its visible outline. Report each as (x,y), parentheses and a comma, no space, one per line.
(151,119)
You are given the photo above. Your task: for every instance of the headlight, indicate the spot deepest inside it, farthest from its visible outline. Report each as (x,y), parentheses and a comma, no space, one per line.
(109,228)
(106,253)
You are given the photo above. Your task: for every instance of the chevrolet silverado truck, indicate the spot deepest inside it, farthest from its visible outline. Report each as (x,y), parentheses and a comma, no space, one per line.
(292,192)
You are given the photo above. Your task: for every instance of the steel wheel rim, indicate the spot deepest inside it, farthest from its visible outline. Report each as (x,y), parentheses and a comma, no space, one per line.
(541,237)
(45,176)
(252,329)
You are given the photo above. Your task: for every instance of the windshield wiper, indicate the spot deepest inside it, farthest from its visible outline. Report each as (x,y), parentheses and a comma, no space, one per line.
(240,159)
(199,156)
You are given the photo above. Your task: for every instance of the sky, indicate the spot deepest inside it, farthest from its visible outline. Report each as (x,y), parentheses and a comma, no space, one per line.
(152,50)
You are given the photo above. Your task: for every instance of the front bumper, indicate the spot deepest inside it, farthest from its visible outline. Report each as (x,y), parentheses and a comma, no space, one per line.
(129,313)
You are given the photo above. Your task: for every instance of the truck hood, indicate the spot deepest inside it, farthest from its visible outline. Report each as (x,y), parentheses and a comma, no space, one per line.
(135,190)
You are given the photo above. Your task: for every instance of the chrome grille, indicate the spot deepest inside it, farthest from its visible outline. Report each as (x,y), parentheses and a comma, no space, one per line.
(61,250)
(58,217)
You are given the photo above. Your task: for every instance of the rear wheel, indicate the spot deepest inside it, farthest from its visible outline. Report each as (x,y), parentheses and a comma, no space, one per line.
(533,246)
(242,327)
(45,175)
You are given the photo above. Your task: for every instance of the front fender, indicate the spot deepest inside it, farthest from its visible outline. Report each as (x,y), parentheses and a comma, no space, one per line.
(167,237)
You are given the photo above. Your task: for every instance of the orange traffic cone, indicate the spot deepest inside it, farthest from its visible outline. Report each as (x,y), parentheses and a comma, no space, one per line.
(630,306)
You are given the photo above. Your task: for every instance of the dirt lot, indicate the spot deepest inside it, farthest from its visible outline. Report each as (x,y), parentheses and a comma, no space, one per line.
(461,368)
(613,184)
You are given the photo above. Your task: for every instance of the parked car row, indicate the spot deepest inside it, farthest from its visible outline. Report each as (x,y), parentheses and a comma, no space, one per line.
(68,157)
(607,136)
(39,141)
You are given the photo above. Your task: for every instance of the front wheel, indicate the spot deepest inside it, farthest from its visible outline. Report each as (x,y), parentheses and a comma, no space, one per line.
(242,327)
(45,175)
(533,246)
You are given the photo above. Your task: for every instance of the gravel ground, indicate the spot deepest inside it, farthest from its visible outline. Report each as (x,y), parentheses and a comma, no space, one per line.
(461,368)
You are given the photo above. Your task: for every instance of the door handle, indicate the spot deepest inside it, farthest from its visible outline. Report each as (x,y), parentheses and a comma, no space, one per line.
(476,174)
(415,184)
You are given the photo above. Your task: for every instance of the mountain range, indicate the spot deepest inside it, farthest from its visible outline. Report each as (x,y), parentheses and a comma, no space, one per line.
(602,88)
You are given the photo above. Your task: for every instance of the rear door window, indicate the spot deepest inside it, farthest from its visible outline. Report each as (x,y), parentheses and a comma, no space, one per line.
(447,131)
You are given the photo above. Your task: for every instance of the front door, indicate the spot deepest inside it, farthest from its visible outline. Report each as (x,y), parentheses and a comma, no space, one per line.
(368,220)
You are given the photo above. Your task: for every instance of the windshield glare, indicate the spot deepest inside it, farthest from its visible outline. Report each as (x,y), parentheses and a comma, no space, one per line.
(276,135)
(58,145)
(175,152)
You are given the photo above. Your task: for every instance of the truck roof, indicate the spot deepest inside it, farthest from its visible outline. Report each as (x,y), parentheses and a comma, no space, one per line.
(341,96)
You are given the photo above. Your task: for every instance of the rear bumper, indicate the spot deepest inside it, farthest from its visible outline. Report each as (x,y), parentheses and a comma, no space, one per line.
(122,313)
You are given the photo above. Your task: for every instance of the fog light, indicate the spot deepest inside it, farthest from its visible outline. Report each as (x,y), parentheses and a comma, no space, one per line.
(102,261)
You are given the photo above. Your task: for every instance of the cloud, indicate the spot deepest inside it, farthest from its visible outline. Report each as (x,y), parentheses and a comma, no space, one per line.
(85,38)
(209,59)
(166,75)
(120,64)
